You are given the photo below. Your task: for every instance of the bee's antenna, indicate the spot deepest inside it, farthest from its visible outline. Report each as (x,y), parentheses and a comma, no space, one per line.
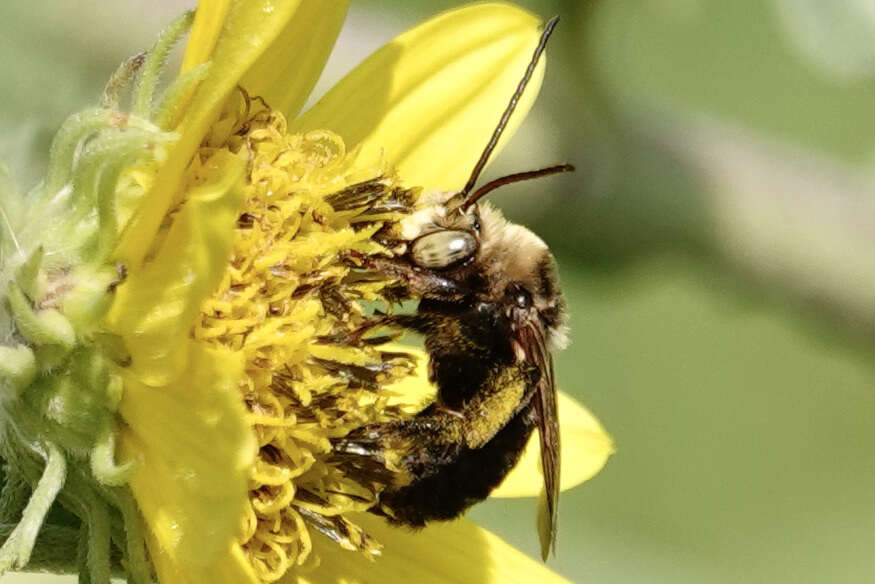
(512,178)
(499,129)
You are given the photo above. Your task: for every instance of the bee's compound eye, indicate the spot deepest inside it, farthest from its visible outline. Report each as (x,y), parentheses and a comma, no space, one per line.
(443,248)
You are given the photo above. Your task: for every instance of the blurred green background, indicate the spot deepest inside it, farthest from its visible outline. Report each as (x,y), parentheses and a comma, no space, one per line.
(715,246)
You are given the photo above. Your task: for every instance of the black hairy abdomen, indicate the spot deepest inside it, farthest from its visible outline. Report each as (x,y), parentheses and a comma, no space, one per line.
(465,347)
(450,486)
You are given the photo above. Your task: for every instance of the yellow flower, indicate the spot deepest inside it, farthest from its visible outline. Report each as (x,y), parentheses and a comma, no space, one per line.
(222,292)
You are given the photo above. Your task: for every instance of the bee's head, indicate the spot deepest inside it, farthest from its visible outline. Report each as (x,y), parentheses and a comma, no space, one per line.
(521,273)
(464,241)
(442,236)
(513,265)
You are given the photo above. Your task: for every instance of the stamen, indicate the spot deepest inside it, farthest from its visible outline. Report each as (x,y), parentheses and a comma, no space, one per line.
(286,290)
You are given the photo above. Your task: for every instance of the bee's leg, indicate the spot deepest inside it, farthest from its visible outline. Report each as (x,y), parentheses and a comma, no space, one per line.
(355,337)
(421,282)
(365,441)
(396,453)
(450,411)
(361,453)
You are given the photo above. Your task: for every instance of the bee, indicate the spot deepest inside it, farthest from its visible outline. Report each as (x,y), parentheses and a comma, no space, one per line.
(491,312)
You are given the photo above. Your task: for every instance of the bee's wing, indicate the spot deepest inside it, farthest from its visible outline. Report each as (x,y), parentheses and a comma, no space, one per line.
(548,426)
(537,354)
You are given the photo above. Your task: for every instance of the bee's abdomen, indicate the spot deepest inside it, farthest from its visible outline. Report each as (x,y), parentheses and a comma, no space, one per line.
(446,489)
(465,349)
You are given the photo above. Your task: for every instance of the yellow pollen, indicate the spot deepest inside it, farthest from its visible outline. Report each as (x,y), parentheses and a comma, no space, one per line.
(285,295)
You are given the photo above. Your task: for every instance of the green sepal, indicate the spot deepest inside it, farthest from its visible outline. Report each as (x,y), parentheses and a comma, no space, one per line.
(173,101)
(154,63)
(18,368)
(90,296)
(59,385)
(77,403)
(103,465)
(28,275)
(40,327)
(50,357)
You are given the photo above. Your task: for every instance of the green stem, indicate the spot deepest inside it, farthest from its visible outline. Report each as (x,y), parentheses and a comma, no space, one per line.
(82,555)
(15,553)
(99,561)
(137,563)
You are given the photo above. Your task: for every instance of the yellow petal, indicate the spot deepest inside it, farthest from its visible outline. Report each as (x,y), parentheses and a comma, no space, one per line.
(442,553)
(429,100)
(208,22)
(195,450)
(285,74)
(154,308)
(249,29)
(231,568)
(585,450)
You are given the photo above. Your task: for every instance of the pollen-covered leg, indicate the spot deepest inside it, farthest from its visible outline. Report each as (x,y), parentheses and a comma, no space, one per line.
(362,453)
(356,337)
(420,282)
